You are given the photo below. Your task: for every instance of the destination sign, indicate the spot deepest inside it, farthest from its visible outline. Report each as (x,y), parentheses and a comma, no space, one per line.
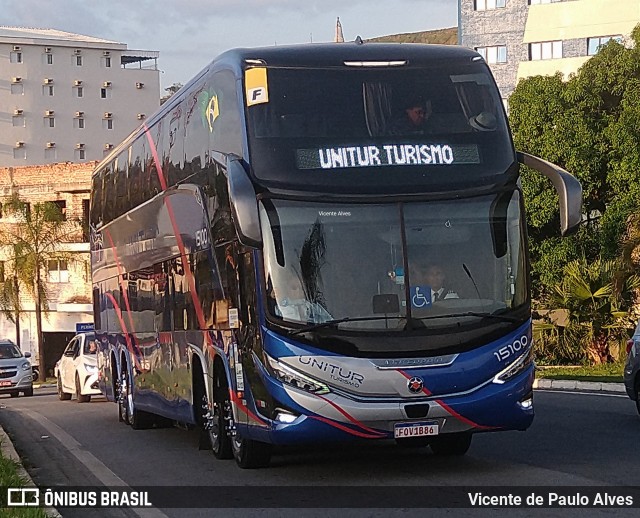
(387,155)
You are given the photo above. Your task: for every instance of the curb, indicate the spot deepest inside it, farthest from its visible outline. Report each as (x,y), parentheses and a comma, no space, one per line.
(578,386)
(9,452)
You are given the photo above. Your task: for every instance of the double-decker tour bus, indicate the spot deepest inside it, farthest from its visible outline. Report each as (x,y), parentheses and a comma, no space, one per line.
(281,256)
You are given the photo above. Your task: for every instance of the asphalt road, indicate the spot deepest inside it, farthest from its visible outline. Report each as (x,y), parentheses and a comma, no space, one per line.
(577,439)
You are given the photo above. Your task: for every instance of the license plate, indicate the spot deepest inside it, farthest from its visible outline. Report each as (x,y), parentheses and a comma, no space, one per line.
(406,430)
(5,383)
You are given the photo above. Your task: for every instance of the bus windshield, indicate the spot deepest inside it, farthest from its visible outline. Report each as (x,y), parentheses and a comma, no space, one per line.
(380,127)
(345,265)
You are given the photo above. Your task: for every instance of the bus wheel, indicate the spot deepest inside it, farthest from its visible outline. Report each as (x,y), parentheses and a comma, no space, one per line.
(251,454)
(451,444)
(123,414)
(138,419)
(217,420)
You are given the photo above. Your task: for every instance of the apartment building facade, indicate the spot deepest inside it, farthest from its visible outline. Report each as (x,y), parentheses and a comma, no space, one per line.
(524,38)
(68,281)
(67,97)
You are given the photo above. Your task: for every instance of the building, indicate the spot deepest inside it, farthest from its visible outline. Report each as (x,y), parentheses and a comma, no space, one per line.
(70,98)
(523,38)
(68,281)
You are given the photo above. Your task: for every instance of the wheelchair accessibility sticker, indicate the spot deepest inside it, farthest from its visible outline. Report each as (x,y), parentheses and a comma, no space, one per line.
(421,297)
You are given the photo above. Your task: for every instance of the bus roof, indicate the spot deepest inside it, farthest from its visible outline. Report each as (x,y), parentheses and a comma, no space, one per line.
(335,54)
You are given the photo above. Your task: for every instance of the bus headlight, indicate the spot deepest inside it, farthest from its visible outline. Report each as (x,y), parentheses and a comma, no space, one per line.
(515,368)
(290,376)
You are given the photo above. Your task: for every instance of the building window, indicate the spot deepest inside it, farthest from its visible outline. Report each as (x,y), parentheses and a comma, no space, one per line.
(78,122)
(16,57)
(62,206)
(78,61)
(488,5)
(82,155)
(492,55)
(545,50)
(19,153)
(107,124)
(49,122)
(594,44)
(47,90)
(50,153)
(79,91)
(107,62)
(17,89)
(105,93)
(49,59)
(58,271)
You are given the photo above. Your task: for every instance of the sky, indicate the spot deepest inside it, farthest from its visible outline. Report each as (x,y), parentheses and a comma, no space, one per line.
(190,33)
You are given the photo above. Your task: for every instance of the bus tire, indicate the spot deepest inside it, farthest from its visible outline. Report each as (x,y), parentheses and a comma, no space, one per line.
(250,454)
(219,426)
(137,419)
(454,444)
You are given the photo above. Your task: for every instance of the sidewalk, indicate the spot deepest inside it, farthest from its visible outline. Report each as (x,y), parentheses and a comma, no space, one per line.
(578,386)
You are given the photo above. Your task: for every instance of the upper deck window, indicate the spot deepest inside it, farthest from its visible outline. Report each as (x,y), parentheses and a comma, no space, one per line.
(365,120)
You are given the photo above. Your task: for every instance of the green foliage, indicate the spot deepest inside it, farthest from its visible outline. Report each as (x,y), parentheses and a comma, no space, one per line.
(32,236)
(588,125)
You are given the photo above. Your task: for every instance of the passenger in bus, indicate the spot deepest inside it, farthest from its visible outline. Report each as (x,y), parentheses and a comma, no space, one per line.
(413,119)
(292,304)
(432,275)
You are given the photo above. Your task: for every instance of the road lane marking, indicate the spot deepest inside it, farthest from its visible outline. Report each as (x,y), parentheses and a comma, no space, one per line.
(95,466)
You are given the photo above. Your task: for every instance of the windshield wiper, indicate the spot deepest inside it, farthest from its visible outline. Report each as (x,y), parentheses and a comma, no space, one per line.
(331,323)
(504,318)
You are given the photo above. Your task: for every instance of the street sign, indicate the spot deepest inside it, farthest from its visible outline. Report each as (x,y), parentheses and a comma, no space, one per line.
(84,327)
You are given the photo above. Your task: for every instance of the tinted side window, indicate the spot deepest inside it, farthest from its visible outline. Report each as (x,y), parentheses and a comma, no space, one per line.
(226,128)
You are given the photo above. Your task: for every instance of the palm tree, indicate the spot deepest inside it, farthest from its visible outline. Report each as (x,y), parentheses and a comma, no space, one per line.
(35,235)
(597,300)
(10,303)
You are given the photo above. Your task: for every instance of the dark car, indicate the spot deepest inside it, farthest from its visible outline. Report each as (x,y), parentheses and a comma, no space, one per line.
(632,367)
(15,370)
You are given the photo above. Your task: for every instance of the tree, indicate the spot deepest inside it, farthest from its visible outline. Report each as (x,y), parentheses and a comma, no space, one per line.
(172,90)
(10,303)
(588,125)
(35,235)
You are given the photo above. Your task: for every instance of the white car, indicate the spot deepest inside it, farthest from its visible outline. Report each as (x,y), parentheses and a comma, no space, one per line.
(77,369)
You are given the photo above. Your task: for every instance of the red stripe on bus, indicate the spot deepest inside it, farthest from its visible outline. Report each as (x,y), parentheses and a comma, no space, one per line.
(123,326)
(242,407)
(154,152)
(449,409)
(350,417)
(346,428)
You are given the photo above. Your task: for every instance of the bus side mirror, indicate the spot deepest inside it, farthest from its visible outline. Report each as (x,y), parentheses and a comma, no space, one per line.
(567,186)
(244,206)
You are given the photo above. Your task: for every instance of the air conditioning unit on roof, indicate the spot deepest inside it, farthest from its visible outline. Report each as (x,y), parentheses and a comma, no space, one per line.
(47,50)
(106,53)
(77,52)
(17,47)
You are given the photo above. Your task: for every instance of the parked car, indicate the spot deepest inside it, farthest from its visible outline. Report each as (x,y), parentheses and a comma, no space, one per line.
(77,369)
(15,370)
(632,367)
